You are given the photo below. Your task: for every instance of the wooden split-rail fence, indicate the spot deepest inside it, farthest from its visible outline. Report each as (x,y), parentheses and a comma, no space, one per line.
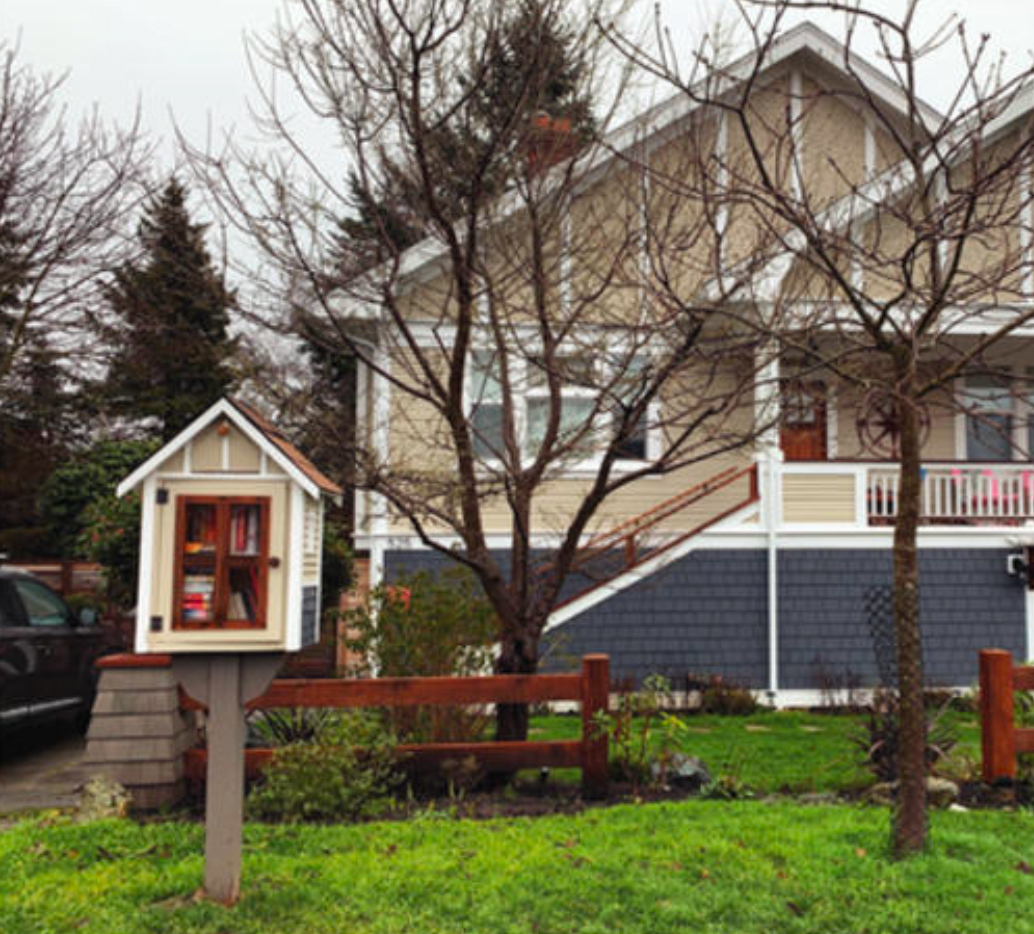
(590,687)
(1001,739)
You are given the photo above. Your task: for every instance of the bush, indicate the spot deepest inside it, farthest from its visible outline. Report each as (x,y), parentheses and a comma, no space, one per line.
(642,734)
(112,539)
(336,569)
(350,774)
(877,736)
(284,726)
(423,624)
(727,698)
(82,481)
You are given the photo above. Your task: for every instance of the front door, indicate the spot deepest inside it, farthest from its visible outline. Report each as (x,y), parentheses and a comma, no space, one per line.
(803,434)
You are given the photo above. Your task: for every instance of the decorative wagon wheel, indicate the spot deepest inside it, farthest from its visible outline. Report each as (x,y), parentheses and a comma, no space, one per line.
(878,424)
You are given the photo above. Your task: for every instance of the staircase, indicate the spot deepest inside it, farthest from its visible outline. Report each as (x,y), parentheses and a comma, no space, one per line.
(625,548)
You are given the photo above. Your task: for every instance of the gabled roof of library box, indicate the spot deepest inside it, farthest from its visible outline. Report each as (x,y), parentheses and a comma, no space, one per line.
(255,426)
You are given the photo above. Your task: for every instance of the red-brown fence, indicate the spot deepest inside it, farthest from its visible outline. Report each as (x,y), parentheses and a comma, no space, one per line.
(66,577)
(589,753)
(1001,739)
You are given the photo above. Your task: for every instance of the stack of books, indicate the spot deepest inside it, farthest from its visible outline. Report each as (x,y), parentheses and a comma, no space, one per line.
(197,597)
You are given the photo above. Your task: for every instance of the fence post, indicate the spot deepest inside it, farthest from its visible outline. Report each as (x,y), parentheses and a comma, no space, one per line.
(595,697)
(997,730)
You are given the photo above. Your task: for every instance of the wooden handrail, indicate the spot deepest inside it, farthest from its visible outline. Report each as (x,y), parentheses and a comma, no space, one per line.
(667,546)
(624,533)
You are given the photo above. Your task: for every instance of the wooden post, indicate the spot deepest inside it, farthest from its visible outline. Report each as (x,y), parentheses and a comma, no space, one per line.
(997,730)
(224,790)
(225,683)
(630,550)
(595,697)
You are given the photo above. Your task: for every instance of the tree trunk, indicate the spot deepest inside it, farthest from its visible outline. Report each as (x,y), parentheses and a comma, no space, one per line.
(909,823)
(518,655)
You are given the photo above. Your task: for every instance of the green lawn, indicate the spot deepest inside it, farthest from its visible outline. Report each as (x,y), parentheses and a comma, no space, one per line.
(706,866)
(780,751)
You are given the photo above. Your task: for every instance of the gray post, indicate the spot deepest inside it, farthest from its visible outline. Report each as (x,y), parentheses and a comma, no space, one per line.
(224,791)
(225,682)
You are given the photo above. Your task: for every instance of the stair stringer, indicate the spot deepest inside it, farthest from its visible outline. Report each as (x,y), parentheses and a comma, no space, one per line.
(645,569)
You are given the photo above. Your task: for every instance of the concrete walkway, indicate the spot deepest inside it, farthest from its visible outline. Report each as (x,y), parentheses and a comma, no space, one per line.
(39,768)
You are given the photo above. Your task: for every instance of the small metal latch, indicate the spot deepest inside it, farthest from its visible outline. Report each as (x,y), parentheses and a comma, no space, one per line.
(274,562)
(156,624)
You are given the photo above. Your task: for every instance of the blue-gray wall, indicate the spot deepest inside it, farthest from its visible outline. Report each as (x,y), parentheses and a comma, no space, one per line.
(707,614)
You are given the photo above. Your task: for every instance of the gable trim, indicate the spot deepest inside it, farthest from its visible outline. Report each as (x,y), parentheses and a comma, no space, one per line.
(223,408)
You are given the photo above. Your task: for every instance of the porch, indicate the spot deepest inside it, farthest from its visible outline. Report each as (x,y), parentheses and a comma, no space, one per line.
(864,494)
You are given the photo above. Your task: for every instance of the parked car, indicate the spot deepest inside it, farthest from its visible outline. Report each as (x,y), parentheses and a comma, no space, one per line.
(47,654)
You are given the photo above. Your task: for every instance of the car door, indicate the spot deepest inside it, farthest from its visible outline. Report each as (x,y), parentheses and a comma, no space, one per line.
(56,685)
(17,658)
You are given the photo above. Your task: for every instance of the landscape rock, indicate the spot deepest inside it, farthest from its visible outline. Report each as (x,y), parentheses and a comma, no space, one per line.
(101,797)
(940,792)
(685,772)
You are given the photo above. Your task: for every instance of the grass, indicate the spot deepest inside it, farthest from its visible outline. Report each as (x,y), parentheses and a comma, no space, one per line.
(780,751)
(737,867)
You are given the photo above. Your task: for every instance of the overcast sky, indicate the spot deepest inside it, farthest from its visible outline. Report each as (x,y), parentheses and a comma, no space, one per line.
(187,59)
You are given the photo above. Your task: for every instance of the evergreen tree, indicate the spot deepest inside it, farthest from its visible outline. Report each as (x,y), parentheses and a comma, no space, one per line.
(171,312)
(42,420)
(533,70)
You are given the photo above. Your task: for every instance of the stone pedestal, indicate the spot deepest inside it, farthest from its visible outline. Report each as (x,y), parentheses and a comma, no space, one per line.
(138,734)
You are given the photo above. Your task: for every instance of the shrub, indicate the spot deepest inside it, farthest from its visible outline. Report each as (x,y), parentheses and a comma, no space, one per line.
(877,735)
(283,726)
(727,698)
(82,481)
(350,774)
(112,539)
(642,734)
(423,624)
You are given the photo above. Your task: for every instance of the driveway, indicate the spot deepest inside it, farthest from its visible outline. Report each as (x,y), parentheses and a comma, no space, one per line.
(39,768)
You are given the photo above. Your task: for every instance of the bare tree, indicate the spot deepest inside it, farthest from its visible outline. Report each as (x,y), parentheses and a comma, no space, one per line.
(66,194)
(537,342)
(899,269)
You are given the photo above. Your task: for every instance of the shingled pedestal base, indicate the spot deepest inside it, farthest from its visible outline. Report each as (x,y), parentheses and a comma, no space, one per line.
(138,734)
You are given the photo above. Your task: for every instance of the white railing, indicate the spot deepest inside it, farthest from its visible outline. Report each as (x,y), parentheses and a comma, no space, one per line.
(977,494)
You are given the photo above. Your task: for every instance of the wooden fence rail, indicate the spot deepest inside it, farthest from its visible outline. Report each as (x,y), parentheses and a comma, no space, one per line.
(590,687)
(1001,739)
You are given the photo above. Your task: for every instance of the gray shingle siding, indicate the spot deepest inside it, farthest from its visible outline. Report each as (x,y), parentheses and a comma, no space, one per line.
(707,614)
(704,614)
(967,602)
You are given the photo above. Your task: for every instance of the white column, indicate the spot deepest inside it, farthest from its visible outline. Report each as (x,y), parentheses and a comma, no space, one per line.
(769,460)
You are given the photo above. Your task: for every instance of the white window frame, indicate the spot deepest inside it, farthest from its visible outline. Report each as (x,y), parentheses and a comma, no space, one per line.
(519,370)
(1021,409)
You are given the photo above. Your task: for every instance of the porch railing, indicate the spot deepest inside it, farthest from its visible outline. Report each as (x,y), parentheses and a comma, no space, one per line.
(863,494)
(970,494)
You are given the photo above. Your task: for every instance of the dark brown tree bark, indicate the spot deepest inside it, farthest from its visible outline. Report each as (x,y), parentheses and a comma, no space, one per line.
(910,821)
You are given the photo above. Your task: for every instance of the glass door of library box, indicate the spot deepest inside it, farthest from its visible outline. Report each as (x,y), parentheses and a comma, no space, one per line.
(222,561)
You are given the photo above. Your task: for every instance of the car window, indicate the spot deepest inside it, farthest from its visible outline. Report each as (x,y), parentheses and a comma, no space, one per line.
(10,611)
(42,607)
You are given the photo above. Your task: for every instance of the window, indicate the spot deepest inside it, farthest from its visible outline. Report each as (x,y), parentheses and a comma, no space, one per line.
(222,555)
(989,419)
(42,607)
(634,446)
(486,414)
(579,403)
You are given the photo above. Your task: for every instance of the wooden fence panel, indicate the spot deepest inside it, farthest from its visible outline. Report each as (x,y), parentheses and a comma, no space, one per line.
(591,687)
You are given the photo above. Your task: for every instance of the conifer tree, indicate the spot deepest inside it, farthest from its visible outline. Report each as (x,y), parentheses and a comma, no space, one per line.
(171,314)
